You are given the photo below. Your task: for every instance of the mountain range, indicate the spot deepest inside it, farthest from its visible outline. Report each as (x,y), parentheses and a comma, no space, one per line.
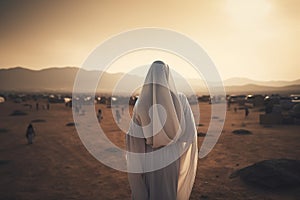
(246,81)
(20,79)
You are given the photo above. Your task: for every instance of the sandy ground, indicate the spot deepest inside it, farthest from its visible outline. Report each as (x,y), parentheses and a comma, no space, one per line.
(57,165)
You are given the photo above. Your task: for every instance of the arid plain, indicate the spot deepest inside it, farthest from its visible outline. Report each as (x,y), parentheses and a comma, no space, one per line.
(58,166)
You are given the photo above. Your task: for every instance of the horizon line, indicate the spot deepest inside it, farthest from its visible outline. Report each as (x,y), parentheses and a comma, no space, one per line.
(66,66)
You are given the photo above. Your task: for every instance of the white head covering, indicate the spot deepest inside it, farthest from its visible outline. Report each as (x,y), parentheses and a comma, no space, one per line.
(161,118)
(159,107)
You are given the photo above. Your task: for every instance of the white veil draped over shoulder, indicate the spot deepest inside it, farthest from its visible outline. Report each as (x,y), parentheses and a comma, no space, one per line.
(162,118)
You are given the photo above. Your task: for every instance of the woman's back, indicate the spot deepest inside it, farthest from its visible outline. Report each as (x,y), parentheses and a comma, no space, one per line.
(167,132)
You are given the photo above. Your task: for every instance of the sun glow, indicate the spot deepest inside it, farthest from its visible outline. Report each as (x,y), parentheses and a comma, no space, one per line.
(247,11)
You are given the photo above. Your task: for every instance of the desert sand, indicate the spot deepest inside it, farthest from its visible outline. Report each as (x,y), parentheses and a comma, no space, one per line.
(57,165)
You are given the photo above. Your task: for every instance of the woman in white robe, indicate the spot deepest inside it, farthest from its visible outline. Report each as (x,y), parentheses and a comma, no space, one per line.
(162,124)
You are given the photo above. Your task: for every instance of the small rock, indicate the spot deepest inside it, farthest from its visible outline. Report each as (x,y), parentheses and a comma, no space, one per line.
(200,134)
(242,132)
(271,174)
(70,124)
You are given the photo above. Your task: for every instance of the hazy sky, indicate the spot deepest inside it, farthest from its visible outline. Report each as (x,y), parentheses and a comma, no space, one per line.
(257,39)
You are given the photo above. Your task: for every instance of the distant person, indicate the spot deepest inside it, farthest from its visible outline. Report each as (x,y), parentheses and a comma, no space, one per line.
(81,112)
(122,110)
(246,111)
(30,133)
(228,104)
(118,116)
(176,140)
(48,106)
(235,109)
(99,115)
(269,107)
(37,106)
(76,109)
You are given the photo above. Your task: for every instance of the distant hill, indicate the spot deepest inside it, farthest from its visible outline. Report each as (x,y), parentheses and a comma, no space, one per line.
(21,79)
(246,81)
(56,79)
(62,79)
(259,89)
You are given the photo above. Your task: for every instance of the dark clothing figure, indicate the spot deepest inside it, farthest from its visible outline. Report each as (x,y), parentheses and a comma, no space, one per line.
(246,111)
(118,116)
(269,107)
(48,106)
(228,104)
(37,106)
(235,109)
(30,134)
(76,109)
(99,115)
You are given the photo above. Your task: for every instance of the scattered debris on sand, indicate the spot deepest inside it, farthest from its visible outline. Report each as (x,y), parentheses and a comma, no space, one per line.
(38,121)
(70,124)
(200,134)
(242,132)
(18,113)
